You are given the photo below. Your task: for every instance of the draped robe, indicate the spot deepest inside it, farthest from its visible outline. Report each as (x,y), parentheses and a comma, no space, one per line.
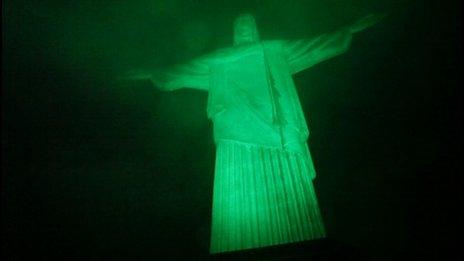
(263,193)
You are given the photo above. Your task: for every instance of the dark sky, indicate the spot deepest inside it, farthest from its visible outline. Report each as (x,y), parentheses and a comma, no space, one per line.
(92,165)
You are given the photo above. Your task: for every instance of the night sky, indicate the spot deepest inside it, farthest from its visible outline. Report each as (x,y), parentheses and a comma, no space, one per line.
(95,166)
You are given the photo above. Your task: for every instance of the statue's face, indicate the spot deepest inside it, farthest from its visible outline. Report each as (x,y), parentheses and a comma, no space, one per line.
(245,30)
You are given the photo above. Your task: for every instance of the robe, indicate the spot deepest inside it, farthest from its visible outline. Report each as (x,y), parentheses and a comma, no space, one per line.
(263,192)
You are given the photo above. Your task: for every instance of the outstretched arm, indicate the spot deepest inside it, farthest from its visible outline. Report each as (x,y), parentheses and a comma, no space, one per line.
(366,22)
(194,74)
(302,54)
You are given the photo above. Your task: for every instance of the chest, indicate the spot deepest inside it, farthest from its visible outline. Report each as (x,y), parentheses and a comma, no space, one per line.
(251,78)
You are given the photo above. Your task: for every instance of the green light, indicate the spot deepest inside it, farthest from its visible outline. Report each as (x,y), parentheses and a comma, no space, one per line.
(263,192)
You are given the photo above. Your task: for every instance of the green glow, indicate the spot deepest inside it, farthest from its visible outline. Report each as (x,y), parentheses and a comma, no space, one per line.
(263,192)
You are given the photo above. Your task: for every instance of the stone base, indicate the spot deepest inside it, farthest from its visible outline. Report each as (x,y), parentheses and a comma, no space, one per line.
(314,250)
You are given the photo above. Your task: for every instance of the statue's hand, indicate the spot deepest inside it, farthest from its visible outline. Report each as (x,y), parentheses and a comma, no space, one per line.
(365,22)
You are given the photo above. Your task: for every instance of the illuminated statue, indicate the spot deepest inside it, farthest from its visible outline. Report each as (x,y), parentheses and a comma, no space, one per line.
(263,191)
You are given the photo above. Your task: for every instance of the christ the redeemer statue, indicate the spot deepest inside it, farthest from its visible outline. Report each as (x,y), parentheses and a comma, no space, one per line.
(263,191)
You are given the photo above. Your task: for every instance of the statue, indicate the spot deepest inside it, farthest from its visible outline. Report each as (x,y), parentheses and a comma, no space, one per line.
(263,192)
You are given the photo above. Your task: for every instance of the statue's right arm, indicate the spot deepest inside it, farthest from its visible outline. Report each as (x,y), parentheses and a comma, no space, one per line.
(194,74)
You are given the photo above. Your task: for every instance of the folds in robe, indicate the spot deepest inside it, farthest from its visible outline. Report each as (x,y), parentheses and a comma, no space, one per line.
(263,193)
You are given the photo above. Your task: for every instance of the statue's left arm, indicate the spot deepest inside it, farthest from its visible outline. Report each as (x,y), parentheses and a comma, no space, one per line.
(304,53)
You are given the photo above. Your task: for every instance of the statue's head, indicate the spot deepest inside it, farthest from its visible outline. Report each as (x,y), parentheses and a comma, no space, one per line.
(245,30)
